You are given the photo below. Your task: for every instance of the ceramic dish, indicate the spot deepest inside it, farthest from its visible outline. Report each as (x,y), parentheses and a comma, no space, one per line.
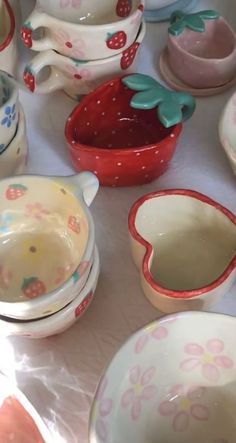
(184,245)
(8,42)
(78,40)
(75,77)
(171,80)
(61,320)
(47,242)
(173,381)
(164,13)
(78,11)
(227,131)
(9,109)
(121,145)
(19,421)
(13,158)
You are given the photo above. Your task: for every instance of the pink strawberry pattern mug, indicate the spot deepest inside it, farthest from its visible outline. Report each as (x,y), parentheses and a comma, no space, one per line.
(77,40)
(78,78)
(173,381)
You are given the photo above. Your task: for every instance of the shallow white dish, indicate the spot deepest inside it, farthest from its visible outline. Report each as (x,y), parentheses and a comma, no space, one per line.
(227,130)
(173,381)
(61,320)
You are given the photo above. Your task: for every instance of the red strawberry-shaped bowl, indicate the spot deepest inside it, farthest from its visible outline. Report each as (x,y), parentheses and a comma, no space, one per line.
(123,146)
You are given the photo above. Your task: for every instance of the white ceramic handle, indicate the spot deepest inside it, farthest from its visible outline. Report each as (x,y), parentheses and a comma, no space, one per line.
(86,182)
(54,81)
(36,20)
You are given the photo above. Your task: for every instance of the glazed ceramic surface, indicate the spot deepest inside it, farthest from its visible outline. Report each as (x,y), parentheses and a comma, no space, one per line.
(185,247)
(13,158)
(86,41)
(87,11)
(157,4)
(47,242)
(121,145)
(19,421)
(173,381)
(75,77)
(8,44)
(9,109)
(164,13)
(227,130)
(204,59)
(61,320)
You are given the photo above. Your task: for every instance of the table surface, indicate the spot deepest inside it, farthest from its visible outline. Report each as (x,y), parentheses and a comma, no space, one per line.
(60,374)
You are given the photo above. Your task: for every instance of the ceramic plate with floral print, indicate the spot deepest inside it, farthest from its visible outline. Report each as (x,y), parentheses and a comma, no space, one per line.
(173,381)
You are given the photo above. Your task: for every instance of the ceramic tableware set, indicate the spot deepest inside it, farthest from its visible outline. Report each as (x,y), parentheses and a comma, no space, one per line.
(82,45)
(163,385)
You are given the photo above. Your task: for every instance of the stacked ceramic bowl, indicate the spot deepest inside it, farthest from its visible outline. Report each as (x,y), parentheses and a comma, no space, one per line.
(13,142)
(49,260)
(160,10)
(83,43)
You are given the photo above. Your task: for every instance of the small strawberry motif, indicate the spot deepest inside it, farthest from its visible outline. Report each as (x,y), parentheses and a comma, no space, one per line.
(29,79)
(33,287)
(74,224)
(81,308)
(128,56)
(15,191)
(141,8)
(123,8)
(26,35)
(117,40)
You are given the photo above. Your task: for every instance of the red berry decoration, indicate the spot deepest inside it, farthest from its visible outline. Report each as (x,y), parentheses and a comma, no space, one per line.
(26,35)
(29,79)
(74,224)
(123,8)
(33,287)
(141,8)
(15,191)
(128,56)
(81,308)
(117,40)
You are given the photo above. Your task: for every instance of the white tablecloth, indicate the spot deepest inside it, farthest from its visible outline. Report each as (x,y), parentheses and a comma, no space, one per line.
(60,374)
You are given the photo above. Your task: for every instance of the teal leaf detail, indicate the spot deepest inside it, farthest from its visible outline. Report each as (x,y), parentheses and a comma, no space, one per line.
(172,107)
(138,82)
(75,277)
(195,22)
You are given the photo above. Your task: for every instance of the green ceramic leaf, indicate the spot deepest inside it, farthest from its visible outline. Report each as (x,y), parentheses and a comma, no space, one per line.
(139,82)
(146,99)
(178,27)
(195,23)
(209,14)
(169,113)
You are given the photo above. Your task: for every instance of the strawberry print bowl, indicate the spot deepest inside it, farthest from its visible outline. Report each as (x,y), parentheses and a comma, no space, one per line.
(99,34)
(59,321)
(173,381)
(184,245)
(123,145)
(47,242)
(227,130)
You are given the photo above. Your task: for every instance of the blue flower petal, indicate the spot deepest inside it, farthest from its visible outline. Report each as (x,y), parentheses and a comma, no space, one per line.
(4,121)
(9,123)
(8,110)
(14,116)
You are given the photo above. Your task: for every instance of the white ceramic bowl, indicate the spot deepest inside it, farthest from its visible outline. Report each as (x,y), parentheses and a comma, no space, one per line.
(19,421)
(173,381)
(47,241)
(9,108)
(61,320)
(91,39)
(227,130)
(13,158)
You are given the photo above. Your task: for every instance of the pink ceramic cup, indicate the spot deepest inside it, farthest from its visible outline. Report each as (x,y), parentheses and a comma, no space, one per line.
(204,59)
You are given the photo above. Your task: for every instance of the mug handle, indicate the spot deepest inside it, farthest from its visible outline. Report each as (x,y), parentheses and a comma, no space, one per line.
(54,81)
(85,182)
(37,19)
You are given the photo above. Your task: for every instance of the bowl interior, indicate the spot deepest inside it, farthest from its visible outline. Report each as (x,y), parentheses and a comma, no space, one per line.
(174,381)
(107,121)
(193,242)
(217,42)
(87,12)
(43,235)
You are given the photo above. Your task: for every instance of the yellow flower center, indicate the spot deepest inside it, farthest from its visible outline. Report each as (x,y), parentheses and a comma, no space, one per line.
(207,358)
(184,404)
(137,389)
